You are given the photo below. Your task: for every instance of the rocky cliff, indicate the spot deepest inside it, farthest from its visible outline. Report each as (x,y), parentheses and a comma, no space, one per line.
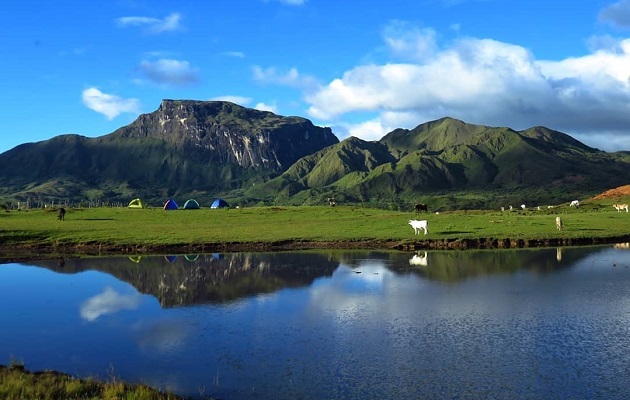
(219,132)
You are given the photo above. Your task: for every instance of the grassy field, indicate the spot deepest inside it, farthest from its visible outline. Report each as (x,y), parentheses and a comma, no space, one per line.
(317,224)
(19,384)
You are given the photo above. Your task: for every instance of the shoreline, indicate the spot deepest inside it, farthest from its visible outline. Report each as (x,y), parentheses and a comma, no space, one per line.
(46,251)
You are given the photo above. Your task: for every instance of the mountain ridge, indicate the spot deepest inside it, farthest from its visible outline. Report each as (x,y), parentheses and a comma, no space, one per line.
(190,148)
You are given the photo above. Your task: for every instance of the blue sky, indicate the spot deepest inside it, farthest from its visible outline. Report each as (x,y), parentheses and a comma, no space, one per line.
(363,68)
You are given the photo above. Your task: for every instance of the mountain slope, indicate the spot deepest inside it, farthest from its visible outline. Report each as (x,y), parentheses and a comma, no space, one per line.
(450,155)
(183,148)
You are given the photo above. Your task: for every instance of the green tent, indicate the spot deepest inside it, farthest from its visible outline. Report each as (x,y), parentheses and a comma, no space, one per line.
(191,205)
(136,203)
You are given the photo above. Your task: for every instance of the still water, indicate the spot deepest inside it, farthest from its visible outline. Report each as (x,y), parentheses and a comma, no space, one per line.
(508,324)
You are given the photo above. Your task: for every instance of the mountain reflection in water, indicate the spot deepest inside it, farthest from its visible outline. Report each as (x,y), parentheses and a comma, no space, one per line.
(546,323)
(217,278)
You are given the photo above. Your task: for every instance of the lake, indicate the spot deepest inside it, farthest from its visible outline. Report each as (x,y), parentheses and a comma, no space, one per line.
(502,324)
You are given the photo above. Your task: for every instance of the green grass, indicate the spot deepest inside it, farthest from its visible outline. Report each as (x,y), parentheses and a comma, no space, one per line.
(18,384)
(156,227)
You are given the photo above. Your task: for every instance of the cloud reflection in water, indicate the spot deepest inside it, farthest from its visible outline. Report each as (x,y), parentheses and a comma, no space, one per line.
(108,302)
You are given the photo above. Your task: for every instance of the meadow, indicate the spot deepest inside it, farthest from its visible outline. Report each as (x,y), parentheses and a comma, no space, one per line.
(294,226)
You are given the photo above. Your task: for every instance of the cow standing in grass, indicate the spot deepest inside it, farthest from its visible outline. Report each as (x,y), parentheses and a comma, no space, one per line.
(417,225)
(420,207)
(62,214)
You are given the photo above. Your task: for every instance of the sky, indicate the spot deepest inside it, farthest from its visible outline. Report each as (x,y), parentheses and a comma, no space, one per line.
(362,68)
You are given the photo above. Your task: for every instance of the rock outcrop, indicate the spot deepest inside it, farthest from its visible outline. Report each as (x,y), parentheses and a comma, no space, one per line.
(219,132)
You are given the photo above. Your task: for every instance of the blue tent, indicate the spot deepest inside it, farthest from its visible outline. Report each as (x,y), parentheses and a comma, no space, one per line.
(170,205)
(191,205)
(219,203)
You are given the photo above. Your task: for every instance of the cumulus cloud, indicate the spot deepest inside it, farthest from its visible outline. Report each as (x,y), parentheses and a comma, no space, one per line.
(617,14)
(109,105)
(166,71)
(152,25)
(266,107)
(369,130)
(410,42)
(479,81)
(108,302)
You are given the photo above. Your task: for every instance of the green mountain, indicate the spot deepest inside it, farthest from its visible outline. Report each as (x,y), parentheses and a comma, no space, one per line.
(449,156)
(195,149)
(184,149)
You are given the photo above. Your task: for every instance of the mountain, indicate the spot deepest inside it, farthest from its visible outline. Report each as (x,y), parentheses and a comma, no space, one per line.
(205,149)
(184,148)
(447,156)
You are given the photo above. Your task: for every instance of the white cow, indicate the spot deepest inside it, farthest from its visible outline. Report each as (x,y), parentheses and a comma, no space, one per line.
(419,224)
(559,223)
(620,207)
(575,203)
(523,206)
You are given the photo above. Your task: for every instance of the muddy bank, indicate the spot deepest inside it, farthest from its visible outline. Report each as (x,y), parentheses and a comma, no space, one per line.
(21,252)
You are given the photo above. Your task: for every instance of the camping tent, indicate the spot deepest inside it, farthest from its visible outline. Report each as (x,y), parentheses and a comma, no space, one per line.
(170,205)
(219,203)
(136,203)
(191,204)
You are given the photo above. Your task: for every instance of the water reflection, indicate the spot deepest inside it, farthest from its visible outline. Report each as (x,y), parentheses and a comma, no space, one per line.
(520,323)
(213,278)
(206,278)
(108,302)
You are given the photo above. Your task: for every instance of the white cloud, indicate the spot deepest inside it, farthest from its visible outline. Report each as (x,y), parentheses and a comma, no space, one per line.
(291,78)
(107,104)
(410,42)
(266,107)
(369,130)
(166,71)
(240,100)
(235,54)
(108,302)
(481,81)
(152,25)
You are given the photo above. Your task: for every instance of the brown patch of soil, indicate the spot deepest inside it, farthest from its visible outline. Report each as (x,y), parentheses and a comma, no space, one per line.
(25,252)
(621,191)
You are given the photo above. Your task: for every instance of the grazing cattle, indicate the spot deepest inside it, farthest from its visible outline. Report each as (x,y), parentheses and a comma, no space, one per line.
(511,207)
(559,223)
(419,259)
(523,206)
(421,207)
(574,203)
(62,214)
(419,224)
(331,201)
(620,207)
(502,208)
